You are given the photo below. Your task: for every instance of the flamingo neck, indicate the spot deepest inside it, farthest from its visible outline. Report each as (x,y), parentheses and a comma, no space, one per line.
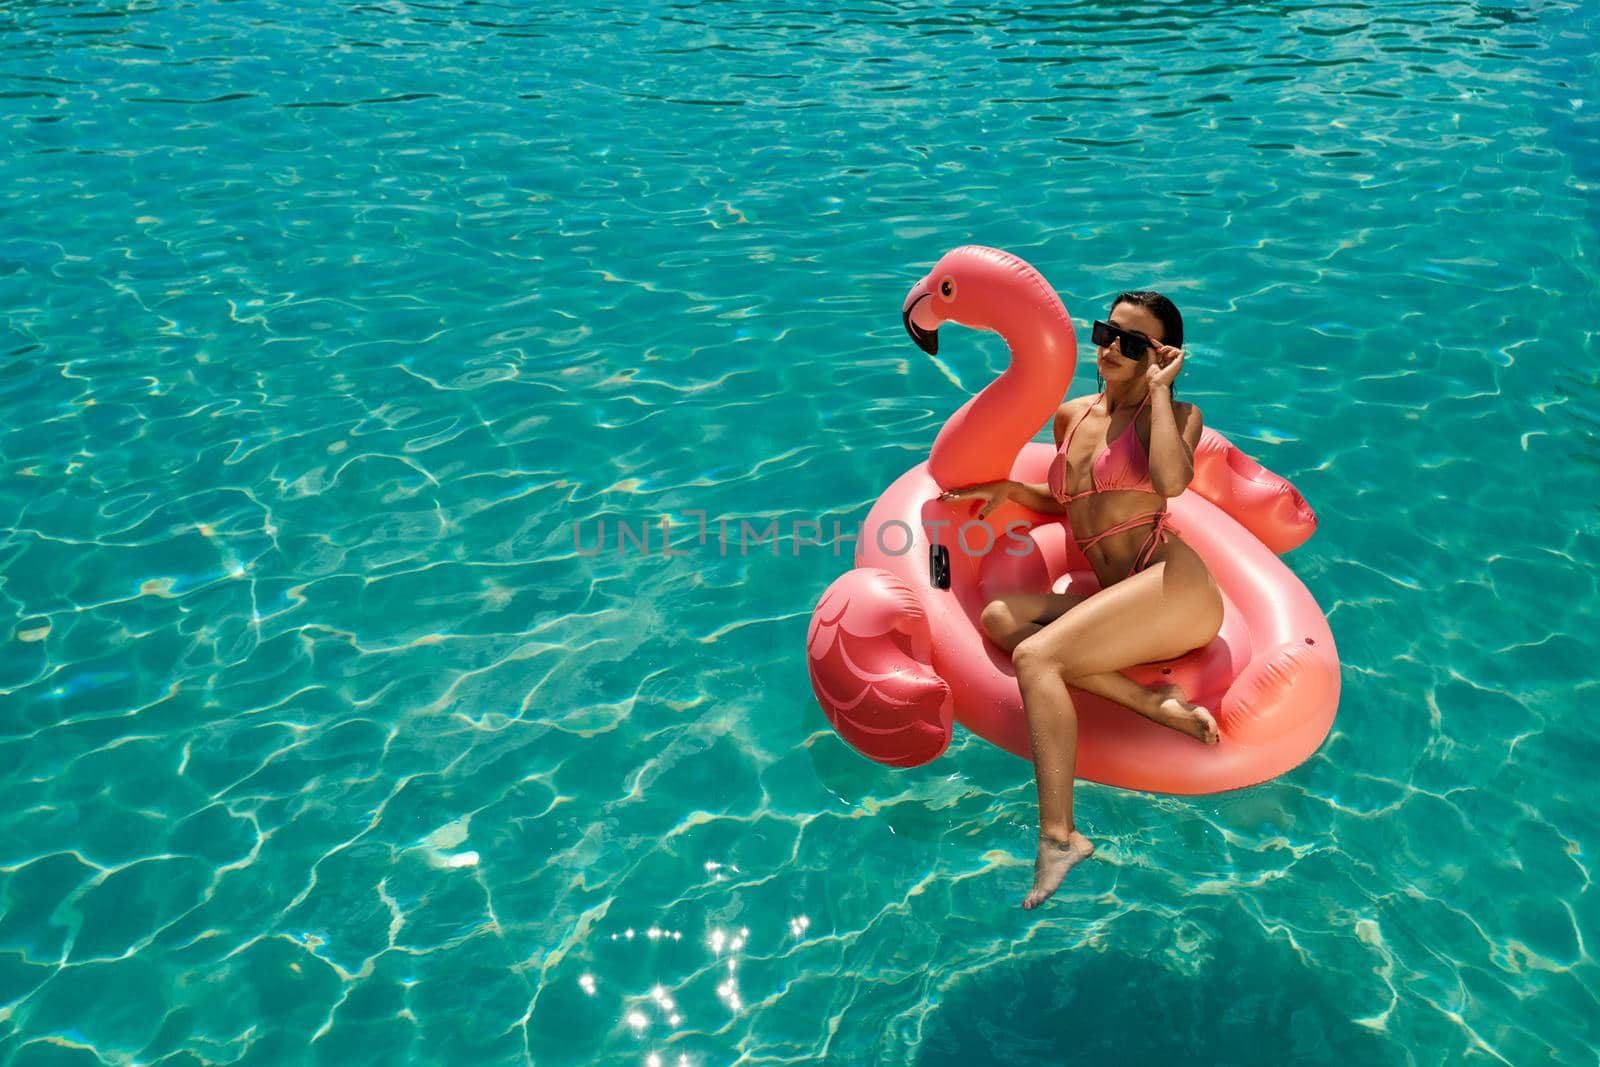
(980,442)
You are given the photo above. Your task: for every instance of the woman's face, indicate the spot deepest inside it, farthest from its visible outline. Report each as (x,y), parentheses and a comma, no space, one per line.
(1114,366)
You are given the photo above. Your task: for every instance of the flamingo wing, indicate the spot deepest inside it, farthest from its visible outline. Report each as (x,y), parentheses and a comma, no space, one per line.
(869,652)
(1264,503)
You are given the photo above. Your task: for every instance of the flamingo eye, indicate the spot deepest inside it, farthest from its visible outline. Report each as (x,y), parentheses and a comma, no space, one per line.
(947,289)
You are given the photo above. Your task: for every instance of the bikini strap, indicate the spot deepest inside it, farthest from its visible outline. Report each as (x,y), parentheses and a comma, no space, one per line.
(1133,424)
(1140,406)
(1160,533)
(1133,427)
(1067,440)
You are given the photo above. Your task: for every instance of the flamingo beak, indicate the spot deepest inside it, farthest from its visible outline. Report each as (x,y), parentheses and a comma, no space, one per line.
(925,334)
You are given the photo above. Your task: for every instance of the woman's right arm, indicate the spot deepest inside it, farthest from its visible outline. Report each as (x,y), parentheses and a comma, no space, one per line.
(1036,496)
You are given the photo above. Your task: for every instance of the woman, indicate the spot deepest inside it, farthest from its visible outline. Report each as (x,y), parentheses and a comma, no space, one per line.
(1120,455)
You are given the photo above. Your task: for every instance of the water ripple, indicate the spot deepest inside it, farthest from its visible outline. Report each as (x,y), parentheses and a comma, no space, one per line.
(332,725)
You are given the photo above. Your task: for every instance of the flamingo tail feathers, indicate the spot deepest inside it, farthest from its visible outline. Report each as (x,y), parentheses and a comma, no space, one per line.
(869,652)
(1264,503)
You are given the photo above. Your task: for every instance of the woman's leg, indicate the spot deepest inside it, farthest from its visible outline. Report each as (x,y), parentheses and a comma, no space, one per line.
(1013,619)
(1160,612)
(1053,735)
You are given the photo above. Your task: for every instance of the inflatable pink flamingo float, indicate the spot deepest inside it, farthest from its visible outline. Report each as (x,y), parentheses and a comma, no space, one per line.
(895,648)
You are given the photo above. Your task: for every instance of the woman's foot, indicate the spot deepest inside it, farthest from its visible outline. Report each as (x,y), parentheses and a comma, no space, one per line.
(1175,711)
(1056,857)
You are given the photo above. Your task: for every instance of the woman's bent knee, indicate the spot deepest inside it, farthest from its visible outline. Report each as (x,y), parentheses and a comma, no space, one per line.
(998,619)
(1031,658)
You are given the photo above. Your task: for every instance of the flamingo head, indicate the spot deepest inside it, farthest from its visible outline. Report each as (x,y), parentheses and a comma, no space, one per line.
(970,285)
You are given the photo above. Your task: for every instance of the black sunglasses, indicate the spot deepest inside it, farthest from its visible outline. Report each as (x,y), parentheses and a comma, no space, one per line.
(1134,345)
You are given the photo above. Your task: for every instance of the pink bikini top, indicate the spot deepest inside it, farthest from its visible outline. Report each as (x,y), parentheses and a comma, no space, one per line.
(1122,465)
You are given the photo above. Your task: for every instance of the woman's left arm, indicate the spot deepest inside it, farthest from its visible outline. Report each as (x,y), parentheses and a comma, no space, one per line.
(1174,428)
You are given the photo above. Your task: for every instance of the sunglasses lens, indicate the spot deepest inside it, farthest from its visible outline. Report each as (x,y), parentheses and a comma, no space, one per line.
(1133,346)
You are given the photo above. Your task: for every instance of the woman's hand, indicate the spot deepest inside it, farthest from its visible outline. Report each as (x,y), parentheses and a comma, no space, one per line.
(1165,362)
(993,494)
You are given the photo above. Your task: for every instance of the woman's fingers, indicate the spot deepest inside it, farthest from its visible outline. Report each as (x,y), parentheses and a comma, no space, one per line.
(988,494)
(961,494)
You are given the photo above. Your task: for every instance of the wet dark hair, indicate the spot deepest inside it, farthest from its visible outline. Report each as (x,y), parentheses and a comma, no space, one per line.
(1165,311)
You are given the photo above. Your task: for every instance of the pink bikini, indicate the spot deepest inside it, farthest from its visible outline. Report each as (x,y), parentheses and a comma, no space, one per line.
(1122,466)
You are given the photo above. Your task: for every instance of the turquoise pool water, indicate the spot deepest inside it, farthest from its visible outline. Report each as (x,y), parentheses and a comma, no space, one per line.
(321,741)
